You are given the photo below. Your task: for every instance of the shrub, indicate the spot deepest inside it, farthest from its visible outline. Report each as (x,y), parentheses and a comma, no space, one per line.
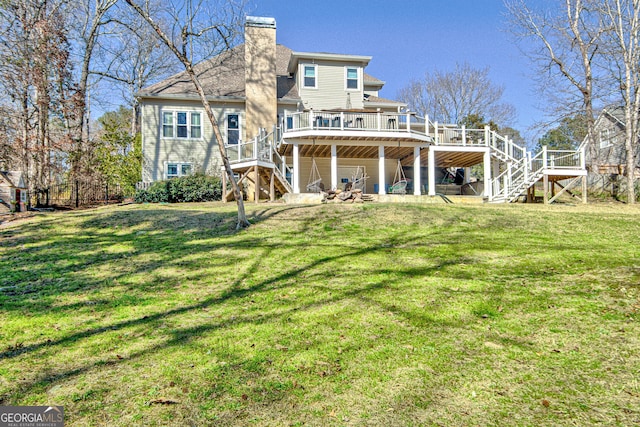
(191,188)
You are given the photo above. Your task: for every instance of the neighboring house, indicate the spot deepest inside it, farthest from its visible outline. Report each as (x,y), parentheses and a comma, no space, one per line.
(13,192)
(609,156)
(297,122)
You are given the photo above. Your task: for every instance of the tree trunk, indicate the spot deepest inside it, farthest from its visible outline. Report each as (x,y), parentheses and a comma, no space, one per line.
(242,217)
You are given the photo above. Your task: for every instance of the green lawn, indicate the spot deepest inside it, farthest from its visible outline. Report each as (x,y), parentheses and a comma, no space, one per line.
(444,315)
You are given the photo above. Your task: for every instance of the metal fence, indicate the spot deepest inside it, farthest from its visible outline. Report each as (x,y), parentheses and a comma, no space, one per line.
(78,193)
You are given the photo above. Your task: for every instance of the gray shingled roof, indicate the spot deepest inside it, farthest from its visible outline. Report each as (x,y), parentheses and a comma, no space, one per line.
(223,76)
(617,112)
(369,79)
(377,100)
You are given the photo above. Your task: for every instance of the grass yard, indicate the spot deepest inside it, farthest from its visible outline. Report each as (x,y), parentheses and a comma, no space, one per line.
(363,315)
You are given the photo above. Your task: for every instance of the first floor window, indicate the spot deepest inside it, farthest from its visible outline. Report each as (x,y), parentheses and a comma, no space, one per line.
(233,129)
(178,169)
(181,124)
(167,124)
(196,127)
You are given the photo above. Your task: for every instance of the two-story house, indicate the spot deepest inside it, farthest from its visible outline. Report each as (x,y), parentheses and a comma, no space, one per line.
(297,122)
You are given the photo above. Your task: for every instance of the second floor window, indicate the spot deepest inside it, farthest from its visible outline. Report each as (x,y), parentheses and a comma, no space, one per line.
(310,72)
(181,124)
(352,78)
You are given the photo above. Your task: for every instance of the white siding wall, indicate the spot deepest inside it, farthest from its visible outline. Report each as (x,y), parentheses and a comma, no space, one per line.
(331,86)
(203,153)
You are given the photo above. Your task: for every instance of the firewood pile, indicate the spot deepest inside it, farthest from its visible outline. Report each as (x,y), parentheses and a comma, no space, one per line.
(349,196)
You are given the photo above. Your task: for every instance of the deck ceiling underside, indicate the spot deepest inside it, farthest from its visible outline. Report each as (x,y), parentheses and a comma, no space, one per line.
(405,154)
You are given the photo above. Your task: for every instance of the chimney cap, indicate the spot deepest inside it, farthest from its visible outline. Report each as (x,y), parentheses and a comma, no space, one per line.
(261,21)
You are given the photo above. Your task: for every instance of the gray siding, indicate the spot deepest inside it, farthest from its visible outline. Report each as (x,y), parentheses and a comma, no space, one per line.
(331,86)
(203,152)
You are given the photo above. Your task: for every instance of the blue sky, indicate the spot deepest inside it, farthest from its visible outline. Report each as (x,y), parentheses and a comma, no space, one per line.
(407,38)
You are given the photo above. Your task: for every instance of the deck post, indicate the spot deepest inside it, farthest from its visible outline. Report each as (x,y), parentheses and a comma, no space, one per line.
(334,166)
(545,187)
(417,181)
(584,189)
(487,175)
(431,171)
(464,135)
(256,192)
(381,172)
(379,116)
(487,136)
(435,134)
(296,168)
(408,122)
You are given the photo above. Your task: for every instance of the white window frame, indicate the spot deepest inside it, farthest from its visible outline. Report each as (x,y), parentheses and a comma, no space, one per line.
(174,124)
(315,75)
(605,138)
(179,168)
(226,127)
(346,78)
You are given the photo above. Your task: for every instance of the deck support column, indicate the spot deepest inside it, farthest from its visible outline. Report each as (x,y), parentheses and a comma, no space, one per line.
(256,174)
(417,181)
(488,193)
(545,189)
(224,185)
(381,171)
(334,166)
(296,168)
(584,189)
(431,171)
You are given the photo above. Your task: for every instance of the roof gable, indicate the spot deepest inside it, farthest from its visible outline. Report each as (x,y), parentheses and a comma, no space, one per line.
(223,76)
(13,178)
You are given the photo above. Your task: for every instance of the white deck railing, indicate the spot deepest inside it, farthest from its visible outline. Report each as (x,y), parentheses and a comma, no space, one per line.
(520,168)
(353,121)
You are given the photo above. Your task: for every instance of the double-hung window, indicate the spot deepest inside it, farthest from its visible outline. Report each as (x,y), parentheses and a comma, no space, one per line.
(352,79)
(310,76)
(181,124)
(233,129)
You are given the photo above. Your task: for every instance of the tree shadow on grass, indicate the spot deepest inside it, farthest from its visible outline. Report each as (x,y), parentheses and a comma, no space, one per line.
(180,336)
(158,234)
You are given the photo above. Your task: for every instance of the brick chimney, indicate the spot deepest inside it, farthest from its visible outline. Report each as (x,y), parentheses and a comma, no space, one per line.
(260,74)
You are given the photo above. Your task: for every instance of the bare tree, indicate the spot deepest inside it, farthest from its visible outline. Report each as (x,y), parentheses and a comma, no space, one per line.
(218,30)
(36,75)
(622,20)
(451,96)
(563,44)
(132,57)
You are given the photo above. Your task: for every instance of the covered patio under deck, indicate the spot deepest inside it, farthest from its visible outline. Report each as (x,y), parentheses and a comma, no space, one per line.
(379,160)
